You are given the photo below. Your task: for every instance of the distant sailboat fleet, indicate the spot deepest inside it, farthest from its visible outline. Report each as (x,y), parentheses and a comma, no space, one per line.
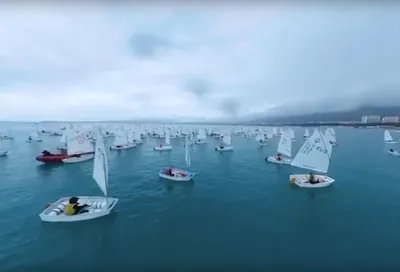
(79,144)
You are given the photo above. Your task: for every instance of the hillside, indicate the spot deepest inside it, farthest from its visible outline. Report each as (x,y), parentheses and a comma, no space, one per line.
(352,115)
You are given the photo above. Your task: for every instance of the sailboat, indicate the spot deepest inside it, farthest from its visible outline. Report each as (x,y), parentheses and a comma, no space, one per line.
(284,148)
(177,174)
(201,137)
(34,136)
(6,136)
(97,206)
(3,152)
(330,135)
(137,137)
(388,139)
(121,141)
(79,149)
(306,134)
(261,138)
(292,134)
(314,155)
(226,144)
(166,145)
(63,142)
(394,152)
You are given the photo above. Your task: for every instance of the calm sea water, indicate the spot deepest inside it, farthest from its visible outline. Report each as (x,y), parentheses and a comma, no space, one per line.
(239,213)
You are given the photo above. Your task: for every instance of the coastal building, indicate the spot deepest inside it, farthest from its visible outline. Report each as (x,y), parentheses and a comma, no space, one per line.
(390,119)
(371,119)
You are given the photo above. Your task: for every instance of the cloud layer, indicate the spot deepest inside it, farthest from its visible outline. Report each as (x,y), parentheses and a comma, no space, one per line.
(136,62)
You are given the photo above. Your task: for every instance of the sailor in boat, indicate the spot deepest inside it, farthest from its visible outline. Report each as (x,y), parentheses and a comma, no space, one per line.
(312,179)
(73,207)
(118,146)
(221,146)
(261,141)
(391,150)
(30,138)
(278,157)
(168,172)
(47,153)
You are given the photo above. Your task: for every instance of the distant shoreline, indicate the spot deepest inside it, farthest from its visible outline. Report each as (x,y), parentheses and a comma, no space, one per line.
(336,124)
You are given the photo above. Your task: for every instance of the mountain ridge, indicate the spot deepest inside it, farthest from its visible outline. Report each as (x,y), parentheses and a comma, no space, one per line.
(342,116)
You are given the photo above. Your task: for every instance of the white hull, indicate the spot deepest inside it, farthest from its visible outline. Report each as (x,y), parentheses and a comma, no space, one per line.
(394,153)
(81,158)
(226,148)
(262,144)
(391,142)
(138,142)
(163,148)
(176,175)
(3,153)
(282,161)
(35,140)
(122,147)
(97,208)
(301,180)
(200,142)
(6,137)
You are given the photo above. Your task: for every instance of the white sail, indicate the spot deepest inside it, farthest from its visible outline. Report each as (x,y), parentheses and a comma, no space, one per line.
(34,134)
(63,138)
(314,154)
(187,151)
(100,166)
(201,135)
(387,136)
(137,136)
(227,139)
(121,139)
(167,137)
(259,137)
(285,145)
(291,133)
(131,136)
(330,135)
(78,143)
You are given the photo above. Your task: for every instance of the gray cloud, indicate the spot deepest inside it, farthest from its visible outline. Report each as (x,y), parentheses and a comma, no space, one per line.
(199,87)
(230,107)
(147,45)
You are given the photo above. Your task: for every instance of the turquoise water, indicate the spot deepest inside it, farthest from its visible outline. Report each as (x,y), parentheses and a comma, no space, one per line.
(239,212)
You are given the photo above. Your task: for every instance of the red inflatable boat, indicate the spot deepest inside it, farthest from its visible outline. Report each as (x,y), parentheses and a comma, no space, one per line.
(57,158)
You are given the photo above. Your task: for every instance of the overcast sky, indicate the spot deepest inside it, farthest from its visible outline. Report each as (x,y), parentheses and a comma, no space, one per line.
(133,62)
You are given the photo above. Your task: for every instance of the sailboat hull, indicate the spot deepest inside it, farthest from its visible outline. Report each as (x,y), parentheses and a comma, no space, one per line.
(301,180)
(163,148)
(391,142)
(79,158)
(58,158)
(98,207)
(3,152)
(177,174)
(394,153)
(35,140)
(272,159)
(122,147)
(200,142)
(226,148)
